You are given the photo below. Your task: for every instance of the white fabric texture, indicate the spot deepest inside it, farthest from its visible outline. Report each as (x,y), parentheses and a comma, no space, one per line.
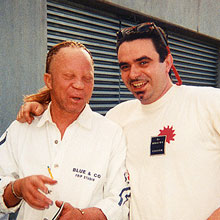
(88,163)
(183,183)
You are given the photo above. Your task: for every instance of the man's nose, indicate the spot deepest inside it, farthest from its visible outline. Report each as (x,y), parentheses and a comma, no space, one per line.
(134,72)
(78,84)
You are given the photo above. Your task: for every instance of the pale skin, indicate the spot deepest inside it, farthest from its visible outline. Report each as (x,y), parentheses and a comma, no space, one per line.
(143,74)
(71,84)
(71,81)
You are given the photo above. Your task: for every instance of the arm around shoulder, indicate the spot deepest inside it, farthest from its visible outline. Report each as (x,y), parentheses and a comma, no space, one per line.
(30,109)
(34,105)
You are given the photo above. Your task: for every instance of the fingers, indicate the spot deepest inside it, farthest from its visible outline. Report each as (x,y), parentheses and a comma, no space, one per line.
(58,203)
(67,206)
(27,111)
(37,200)
(24,114)
(37,108)
(69,212)
(29,188)
(24,117)
(45,180)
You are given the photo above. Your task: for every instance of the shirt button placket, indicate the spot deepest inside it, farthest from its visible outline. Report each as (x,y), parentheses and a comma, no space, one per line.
(56,165)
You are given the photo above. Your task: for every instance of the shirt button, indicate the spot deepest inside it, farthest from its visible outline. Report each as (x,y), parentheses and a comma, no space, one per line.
(56,141)
(56,165)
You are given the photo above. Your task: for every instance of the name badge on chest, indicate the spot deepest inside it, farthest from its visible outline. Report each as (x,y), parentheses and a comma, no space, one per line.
(157,146)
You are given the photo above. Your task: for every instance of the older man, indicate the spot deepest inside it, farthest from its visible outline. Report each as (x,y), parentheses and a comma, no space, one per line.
(78,154)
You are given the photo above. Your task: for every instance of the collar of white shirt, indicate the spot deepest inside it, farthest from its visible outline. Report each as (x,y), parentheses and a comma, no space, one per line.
(84,119)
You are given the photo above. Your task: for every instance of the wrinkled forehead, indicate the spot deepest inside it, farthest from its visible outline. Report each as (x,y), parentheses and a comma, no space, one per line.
(63,48)
(72,55)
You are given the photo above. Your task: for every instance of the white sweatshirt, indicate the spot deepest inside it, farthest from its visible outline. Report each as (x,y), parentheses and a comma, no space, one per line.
(173,155)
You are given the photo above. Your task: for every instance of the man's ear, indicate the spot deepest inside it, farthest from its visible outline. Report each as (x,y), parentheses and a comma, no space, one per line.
(169,62)
(48,80)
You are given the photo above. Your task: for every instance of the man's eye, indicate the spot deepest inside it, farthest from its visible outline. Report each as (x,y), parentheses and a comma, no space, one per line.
(88,79)
(143,62)
(68,77)
(124,67)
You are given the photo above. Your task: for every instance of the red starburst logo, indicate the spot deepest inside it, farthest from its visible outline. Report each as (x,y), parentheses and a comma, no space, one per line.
(168,132)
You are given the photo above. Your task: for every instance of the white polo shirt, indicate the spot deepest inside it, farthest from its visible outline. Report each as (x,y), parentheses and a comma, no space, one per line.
(88,163)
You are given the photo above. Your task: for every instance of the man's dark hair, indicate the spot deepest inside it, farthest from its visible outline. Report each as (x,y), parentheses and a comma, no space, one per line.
(145,31)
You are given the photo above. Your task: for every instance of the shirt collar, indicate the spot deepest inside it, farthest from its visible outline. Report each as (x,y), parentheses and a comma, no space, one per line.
(46,117)
(161,101)
(84,119)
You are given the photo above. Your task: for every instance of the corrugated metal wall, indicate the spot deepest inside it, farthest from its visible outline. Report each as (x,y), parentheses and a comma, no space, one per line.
(196,62)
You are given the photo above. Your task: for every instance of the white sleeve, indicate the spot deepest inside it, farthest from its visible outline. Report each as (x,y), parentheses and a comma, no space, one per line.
(8,168)
(116,191)
(209,100)
(3,217)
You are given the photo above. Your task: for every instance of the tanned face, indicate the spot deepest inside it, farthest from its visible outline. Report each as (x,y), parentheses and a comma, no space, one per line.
(141,70)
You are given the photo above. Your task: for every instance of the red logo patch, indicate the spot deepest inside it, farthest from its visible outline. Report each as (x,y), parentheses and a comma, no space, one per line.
(168,132)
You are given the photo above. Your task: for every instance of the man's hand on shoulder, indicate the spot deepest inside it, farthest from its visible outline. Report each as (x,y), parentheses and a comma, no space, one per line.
(28,110)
